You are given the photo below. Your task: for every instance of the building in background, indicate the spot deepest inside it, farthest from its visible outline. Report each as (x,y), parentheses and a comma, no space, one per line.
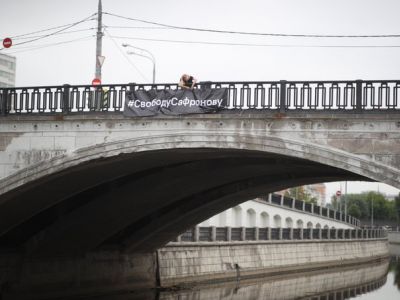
(7,70)
(317,191)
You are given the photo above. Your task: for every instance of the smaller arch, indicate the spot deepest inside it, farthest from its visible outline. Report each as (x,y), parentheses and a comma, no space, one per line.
(237,216)
(300,223)
(289,222)
(251,217)
(318,226)
(222,219)
(264,219)
(326,227)
(309,225)
(277,221)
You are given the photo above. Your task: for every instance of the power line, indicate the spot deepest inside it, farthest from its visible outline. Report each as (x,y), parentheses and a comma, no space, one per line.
(254,33)
(65,32)
(138,27)
(54,33)
(44,30)
(255,45)
(125,56)
(33,48)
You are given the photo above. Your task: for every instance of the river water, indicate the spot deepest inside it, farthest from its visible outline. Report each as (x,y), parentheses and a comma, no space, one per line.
(377,281)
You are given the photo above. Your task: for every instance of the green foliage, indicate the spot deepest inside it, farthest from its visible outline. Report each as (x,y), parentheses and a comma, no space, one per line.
(354,211)
(364,204)
(300,193)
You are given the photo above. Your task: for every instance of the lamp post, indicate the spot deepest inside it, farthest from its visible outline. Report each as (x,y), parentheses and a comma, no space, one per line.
(150,56)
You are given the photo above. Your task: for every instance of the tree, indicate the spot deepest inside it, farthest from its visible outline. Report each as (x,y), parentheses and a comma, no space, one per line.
(300,193)
(354,211)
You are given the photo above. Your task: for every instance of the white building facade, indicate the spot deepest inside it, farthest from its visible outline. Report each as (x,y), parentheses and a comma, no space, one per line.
(259,213)
(7,70)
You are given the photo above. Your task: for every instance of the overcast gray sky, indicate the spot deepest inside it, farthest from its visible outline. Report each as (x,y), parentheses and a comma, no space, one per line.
(269,58)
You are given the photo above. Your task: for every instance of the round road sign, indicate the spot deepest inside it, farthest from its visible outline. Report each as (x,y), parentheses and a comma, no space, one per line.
(7,43)
(96,81)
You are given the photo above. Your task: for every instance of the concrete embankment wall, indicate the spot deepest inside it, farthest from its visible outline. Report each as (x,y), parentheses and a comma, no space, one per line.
(394,237)
(185,263)
(342,282)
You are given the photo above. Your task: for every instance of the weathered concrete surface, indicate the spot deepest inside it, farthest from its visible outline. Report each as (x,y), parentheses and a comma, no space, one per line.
(210,262)
(344,281)
(91,274)
(394,237)
(71,184)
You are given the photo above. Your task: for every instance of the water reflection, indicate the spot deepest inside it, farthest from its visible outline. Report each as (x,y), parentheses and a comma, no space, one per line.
(332,283)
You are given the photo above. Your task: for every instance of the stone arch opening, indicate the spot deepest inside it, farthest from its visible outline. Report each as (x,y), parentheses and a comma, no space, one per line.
(251,217)
(277,221)
(300,223)
(264,219)
(289,222)
(237,216)
(309,225)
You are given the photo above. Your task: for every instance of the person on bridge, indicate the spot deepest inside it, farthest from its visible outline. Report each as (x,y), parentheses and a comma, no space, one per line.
(187,82)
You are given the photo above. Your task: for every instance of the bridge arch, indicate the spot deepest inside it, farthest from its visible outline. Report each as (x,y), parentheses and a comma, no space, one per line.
(151,158)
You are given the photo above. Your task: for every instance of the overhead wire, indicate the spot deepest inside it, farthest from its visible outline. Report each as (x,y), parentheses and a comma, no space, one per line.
(60,33)
(124,55)
(54,33)
(47,29)
(252,33)
(255,45)
(33,48)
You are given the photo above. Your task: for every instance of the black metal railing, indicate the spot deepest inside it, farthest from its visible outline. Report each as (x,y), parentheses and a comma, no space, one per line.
(298,205)
(281,96)
(237,234)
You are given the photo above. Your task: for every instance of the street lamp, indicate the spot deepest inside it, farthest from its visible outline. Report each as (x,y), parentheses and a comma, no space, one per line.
(150,56)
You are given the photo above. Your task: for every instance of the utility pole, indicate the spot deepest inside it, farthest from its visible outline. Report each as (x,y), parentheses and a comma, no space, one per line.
(345,199)
(99,39)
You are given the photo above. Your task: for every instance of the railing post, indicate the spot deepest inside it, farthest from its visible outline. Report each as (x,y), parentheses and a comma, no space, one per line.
(243,234)
(65,99)
(280,232)
(336,233)
(311,233)
(196,234)
(269,233)
(312,208)
(301,233)
(293,203)
(4,98)
(213,233)
(228,234)
(256,233)
(303,206)
(359,95)
(291,233)
(269,198)
(282,197)
(282,103)
(327,213)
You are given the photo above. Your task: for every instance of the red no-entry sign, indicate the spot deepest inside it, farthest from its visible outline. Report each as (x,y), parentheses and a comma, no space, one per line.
(338,193)
(96,81)
(7,43)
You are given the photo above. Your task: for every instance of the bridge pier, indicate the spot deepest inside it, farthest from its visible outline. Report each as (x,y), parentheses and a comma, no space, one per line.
(96,272)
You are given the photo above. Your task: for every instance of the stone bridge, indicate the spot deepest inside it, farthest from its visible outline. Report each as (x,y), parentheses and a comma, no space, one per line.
(75,179)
